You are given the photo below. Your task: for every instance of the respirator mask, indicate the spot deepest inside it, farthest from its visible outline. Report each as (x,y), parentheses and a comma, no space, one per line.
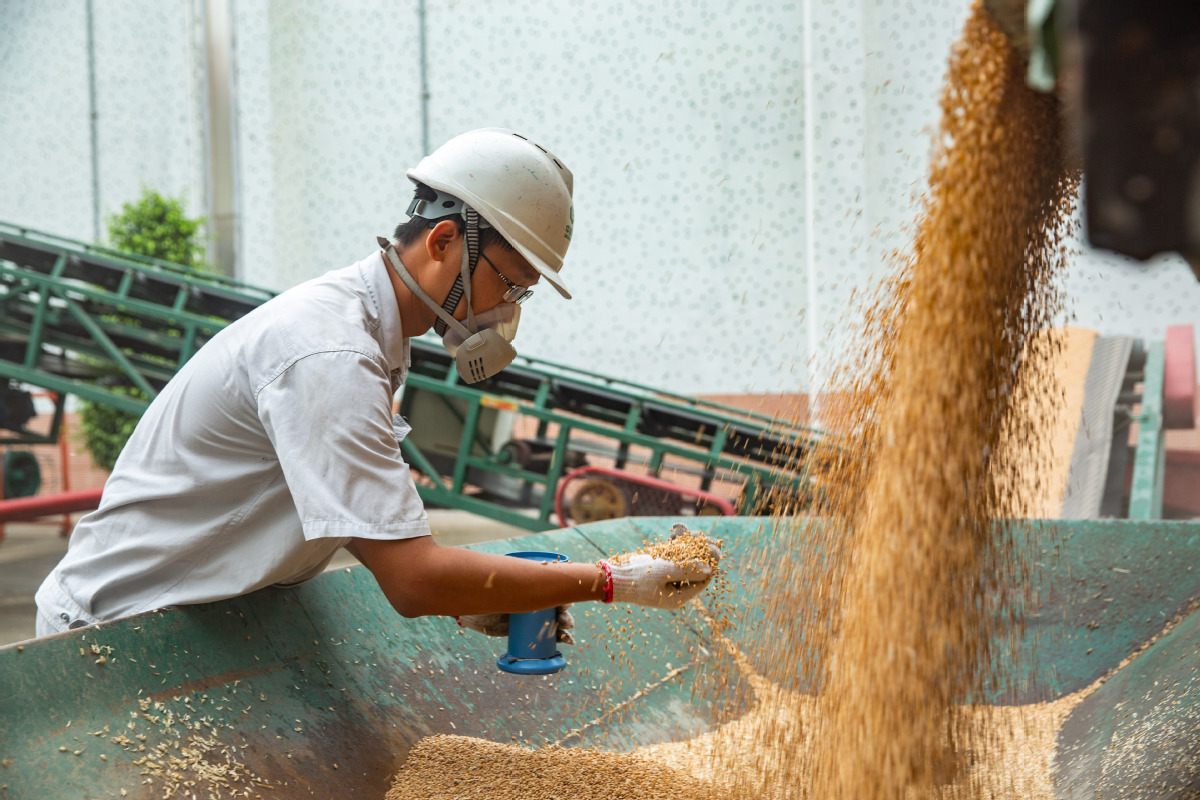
(502,318)
(481,347)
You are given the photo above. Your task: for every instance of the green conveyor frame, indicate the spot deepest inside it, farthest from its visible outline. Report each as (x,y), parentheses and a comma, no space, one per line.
(77,318)
(89,321)
(300,680)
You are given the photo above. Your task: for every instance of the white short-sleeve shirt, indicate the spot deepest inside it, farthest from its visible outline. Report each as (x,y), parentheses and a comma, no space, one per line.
(271,448)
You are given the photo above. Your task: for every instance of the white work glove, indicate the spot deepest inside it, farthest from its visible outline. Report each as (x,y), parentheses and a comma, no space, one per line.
(649,581)
(497,624)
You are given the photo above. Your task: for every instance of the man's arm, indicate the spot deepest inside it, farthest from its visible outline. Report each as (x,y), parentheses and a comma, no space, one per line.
(420,577)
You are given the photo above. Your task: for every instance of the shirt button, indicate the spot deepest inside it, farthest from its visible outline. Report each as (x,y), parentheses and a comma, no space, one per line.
(64,617)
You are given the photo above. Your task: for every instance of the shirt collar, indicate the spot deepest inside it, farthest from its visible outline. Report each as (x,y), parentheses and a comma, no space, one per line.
(389,333)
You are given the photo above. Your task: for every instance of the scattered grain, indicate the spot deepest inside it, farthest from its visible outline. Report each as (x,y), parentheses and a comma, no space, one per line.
(890,601)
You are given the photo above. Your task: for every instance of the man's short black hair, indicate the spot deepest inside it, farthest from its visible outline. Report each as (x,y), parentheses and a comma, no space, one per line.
(411,229)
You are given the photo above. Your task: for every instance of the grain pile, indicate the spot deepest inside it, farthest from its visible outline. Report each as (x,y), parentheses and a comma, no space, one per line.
(748,757)
(445,767)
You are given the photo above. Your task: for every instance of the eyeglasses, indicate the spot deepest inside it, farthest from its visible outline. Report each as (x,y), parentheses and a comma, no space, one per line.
(515,294)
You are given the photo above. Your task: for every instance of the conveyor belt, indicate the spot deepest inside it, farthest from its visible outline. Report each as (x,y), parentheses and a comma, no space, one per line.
(127,276)
(76,316)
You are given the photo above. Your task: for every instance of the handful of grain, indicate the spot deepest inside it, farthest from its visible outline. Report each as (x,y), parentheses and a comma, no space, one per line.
(683,546)
(666,574)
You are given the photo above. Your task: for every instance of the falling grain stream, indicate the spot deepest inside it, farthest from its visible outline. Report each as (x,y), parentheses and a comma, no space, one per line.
(925,562)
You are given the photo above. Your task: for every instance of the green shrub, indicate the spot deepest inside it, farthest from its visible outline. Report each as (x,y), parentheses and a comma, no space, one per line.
(157,226)
(154,226)
(107,429)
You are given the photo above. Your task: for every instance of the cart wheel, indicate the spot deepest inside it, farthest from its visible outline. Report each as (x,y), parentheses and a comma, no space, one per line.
(598,499)
(516,452)
(22,475)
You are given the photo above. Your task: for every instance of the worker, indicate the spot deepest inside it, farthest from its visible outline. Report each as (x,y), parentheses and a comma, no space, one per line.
(275,445)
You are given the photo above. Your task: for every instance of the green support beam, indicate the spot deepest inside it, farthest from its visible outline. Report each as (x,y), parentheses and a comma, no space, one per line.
(69,386)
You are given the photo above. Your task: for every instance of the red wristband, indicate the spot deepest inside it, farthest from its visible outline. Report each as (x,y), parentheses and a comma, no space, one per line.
(608,583)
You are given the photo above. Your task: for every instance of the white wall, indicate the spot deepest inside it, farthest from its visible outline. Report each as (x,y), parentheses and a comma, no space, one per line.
(684,123)
(681,123)
(149,82)
(327,121)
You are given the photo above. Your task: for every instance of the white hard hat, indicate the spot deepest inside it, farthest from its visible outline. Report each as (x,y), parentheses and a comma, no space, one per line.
(518,186)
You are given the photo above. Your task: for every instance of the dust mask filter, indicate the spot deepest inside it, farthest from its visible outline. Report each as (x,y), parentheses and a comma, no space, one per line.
(482,355)
(488,350)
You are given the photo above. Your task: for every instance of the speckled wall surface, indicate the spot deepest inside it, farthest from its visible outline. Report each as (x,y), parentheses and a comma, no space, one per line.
(684,123)
(149,100)
(328,120)
(46,161)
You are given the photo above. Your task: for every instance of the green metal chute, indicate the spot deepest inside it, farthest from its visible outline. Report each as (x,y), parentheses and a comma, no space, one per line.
(300,680)
(295,681)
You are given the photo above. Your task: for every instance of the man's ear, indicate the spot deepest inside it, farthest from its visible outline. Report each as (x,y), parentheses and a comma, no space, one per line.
(439,240)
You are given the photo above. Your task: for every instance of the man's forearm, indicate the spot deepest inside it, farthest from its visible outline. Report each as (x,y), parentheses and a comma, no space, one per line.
(467,582)
(422,578)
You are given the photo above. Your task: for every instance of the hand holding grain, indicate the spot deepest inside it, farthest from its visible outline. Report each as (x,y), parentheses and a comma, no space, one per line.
(665,574)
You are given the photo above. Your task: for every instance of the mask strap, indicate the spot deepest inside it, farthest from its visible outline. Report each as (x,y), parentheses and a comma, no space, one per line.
(470,260)
(407,279)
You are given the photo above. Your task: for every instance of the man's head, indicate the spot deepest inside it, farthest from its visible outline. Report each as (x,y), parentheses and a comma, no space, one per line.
(433,251)
(514,185)
(416,227)
(498,188)
(492,214)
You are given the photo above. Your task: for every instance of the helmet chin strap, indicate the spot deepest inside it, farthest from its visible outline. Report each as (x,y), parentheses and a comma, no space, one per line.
(444,317)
